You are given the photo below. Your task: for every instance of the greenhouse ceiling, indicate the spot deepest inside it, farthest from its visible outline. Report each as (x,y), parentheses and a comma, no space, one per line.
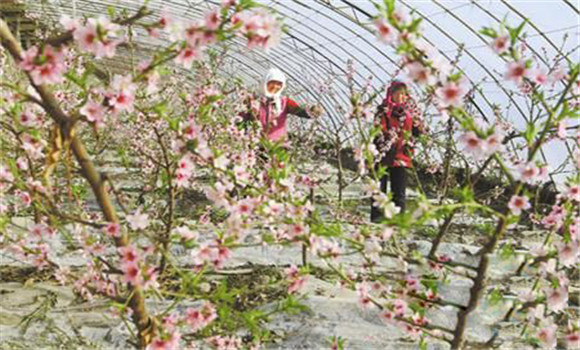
(324,35)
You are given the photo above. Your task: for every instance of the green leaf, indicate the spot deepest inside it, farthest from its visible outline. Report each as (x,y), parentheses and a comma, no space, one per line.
(248,4)
(415,25)
(531,132)
(111,11)
(515,32)
(490,32)
(495,296)
(390,5)
(464,194)
(506,251)
(73,78)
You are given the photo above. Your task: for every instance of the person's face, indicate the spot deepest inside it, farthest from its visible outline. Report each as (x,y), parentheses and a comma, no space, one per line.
(400,96)
(274,86)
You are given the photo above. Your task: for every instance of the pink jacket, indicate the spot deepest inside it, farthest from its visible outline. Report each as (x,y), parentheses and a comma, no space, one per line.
(275,125)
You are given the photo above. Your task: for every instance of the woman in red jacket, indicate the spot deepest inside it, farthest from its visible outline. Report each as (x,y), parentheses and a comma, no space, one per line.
(271,108)
(400,121)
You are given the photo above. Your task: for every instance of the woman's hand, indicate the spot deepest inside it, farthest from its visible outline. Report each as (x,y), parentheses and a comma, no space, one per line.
(316,111)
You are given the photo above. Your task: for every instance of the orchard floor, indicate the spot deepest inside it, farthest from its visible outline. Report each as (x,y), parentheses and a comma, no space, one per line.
(37,313)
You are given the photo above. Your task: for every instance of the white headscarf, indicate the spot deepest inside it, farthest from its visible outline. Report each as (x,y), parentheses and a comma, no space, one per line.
(276,75)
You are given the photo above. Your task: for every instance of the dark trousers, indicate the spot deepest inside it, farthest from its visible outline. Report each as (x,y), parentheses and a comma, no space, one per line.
(398,177)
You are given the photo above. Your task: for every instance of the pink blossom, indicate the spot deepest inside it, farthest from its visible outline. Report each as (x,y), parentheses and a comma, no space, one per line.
(558,74)
(501,44)
(165,19)
(69,23)
(539,76)
(547,336)
(516,71)
(32,146)
(122,101)
(21,164)
(260,28)
(385,32)
(388,317)
(98,37)
(228,3)
(95,112)
(534,313)
(297,230)
(543,173)
(185,233)
(431,295)
(242,176)
(575,230)
(40,260)
(562,132)
(225,342)
(199,318)
(170,342)
(451,94)
(372,249)
(528,172)
(122,96)
(244,207)
(212,20)
(35,186)
(557,299)
(493,143)
(555,218)
(107,48)
(6,174)
(420,320)
(223,254)
(519,203)
(573,340)
(112,229)
(182,178)
(295,278)
(399,307)
(30,120)
(568,253)
(186,164)
(203,254)
(191,130)
(170,321)
(387,233)
(132,274)
(46,67)
(62,274)
(186,57)
(573,192)
(364,300)
(420,74)
(138,220)
(129,255)
(39,230)
(441,64)
(87,37)
(24,197)
(412,283)
(150,278)
(414,332)
(158,344)
(548,267)
(473,145)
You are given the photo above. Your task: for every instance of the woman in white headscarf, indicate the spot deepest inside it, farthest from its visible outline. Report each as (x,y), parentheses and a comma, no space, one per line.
(274,108)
